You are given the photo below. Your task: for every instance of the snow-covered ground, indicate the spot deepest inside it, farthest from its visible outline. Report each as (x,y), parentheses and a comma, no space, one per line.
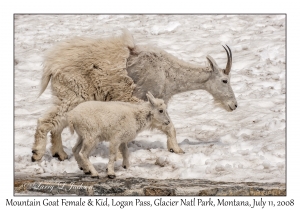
(247,144)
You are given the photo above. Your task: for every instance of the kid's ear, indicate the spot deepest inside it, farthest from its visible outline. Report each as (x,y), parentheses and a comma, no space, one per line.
(150,98)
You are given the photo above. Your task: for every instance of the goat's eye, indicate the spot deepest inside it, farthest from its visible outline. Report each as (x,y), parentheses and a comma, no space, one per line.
(161,111)
(225,81)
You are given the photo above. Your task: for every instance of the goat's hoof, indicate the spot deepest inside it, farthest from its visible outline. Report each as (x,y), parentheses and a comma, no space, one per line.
(81,168)
(125,167)
(87,173)
(107,169)
(111,176)
(60,157)
(35,156)
(34,152)
(56,155)
(171,150)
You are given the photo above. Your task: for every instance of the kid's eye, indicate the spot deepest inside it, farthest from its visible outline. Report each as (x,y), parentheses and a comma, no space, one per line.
(161,111)
(225,81)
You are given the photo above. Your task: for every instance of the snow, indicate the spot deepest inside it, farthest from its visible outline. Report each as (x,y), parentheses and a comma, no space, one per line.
(247,144)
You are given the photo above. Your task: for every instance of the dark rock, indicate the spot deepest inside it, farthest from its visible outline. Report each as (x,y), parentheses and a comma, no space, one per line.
(151,191)
(82,185)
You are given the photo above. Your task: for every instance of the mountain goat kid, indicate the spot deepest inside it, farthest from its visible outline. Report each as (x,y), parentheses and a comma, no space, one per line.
(113,121)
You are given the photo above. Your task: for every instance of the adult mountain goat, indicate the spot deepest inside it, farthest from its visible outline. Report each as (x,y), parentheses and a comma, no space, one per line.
(115,69)
(113,121)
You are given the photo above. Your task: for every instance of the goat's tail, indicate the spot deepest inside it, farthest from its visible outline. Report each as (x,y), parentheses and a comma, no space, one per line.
(45,81)
(128,39)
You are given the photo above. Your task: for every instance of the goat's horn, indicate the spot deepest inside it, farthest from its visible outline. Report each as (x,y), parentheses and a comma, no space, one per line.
(230,53)
(229,60)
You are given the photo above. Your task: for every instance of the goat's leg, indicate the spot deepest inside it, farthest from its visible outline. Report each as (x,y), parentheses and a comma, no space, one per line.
(113,149)
(87,146)
(172,144)
(124,151)
(45,124)
(57,147)
(76,149)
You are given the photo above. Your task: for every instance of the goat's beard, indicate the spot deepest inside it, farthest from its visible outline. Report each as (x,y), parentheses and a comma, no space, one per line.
(220,104)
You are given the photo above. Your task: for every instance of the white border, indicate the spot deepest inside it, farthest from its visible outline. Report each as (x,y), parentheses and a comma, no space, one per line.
(8,8)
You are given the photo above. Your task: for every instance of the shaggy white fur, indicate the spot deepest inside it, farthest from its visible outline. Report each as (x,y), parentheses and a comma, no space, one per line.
(82,69)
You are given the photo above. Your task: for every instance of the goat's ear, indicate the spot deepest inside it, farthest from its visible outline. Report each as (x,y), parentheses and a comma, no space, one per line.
(212,62)
(150,98)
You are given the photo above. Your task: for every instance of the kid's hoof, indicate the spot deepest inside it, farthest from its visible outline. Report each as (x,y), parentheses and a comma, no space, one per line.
(87,173)
(32,159)
(95,177)
(180,151)
(106,169)
(81,168)
(125,167)
(111,176)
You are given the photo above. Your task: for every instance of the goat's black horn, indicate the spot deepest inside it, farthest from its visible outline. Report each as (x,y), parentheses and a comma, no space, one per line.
(229,60)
